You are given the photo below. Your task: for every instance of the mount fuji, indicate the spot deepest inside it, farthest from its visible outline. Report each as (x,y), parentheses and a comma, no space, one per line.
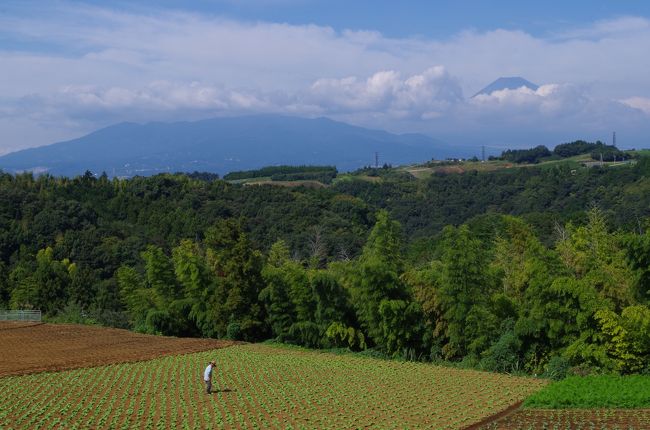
(511,83)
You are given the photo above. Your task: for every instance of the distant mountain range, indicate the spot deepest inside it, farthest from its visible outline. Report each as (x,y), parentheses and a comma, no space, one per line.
(511,83)
(222,145)
(226,144)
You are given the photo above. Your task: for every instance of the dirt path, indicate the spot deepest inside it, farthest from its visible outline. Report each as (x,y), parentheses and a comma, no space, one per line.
(496,417)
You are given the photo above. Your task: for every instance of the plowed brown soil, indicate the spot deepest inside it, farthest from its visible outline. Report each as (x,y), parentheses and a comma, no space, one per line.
(31,347)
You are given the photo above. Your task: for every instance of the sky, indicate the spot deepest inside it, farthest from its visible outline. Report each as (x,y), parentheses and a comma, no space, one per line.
(68,68)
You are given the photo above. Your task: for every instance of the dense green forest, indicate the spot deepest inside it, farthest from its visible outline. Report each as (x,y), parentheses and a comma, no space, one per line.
(530,269)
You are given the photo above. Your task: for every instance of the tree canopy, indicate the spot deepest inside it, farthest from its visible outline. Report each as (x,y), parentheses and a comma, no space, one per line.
(528,269)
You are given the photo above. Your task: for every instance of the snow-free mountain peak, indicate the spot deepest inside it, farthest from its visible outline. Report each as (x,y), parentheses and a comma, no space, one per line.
(221,145)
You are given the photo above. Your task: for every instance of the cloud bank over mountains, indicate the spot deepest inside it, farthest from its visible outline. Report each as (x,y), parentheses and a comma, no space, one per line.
(102,66)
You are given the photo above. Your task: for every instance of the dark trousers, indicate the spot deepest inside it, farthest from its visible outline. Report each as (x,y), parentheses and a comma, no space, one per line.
(208,387)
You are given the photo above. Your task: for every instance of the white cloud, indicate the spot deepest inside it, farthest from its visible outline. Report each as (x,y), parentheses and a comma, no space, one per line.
(104,66)
(549,99)
(421,95)
(614,28)
(639,103)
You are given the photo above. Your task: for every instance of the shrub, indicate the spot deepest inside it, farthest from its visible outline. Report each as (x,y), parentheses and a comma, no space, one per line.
(73,313)
(503,355)
(233,331)
(556,368)
(341,336)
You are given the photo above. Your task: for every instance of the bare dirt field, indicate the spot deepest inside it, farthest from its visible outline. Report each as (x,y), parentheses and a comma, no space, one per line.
(35,347)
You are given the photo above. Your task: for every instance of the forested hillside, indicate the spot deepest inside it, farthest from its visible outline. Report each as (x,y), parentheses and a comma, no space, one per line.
(535,269)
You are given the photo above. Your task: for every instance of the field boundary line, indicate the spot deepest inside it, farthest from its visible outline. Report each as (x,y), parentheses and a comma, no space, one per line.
(492,418)
(36,323)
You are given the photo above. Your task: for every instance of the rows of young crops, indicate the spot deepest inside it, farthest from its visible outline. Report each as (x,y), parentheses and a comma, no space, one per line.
(574,419)
(258,386)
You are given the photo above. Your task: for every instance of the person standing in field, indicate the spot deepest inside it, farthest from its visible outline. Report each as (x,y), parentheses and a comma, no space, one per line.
(207,376)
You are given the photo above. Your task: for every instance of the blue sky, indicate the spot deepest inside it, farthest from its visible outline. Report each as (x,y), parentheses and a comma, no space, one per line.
(72,67)
(437,19)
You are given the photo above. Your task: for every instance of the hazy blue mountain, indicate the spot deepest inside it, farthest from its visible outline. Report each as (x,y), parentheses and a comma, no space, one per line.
(222,145)
(511,83)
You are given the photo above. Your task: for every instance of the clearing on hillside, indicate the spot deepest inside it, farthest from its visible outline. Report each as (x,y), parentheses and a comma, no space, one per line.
(259,386)
(289,184)
(37,347)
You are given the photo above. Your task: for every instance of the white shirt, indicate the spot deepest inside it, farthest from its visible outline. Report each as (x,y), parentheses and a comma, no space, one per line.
(207,375)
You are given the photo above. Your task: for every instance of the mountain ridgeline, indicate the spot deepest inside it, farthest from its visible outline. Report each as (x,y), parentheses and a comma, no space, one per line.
(222,145)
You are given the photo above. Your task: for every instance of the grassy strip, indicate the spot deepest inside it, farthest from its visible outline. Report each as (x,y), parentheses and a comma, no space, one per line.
(603,391)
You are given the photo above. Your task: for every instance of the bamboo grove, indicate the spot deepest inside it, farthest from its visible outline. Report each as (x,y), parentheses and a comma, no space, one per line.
(471,279)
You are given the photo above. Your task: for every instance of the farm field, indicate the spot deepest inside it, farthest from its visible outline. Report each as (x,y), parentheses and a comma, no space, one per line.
(267,180)
(574,419)
(591,402)
(576,162)
(259,386)
(290,184)
(36,347)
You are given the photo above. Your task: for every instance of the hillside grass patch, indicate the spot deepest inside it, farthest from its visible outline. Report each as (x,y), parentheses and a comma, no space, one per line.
(598,391)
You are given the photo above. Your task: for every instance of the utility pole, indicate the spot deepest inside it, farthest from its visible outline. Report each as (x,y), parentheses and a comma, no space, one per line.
(483,153)
(376,160)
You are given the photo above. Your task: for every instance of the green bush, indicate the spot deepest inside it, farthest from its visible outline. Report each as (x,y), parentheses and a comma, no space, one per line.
(73,313)
(503,355)
(557,368)
(233,331)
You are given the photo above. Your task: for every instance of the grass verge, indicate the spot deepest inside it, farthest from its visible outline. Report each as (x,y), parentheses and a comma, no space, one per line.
(602,391)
